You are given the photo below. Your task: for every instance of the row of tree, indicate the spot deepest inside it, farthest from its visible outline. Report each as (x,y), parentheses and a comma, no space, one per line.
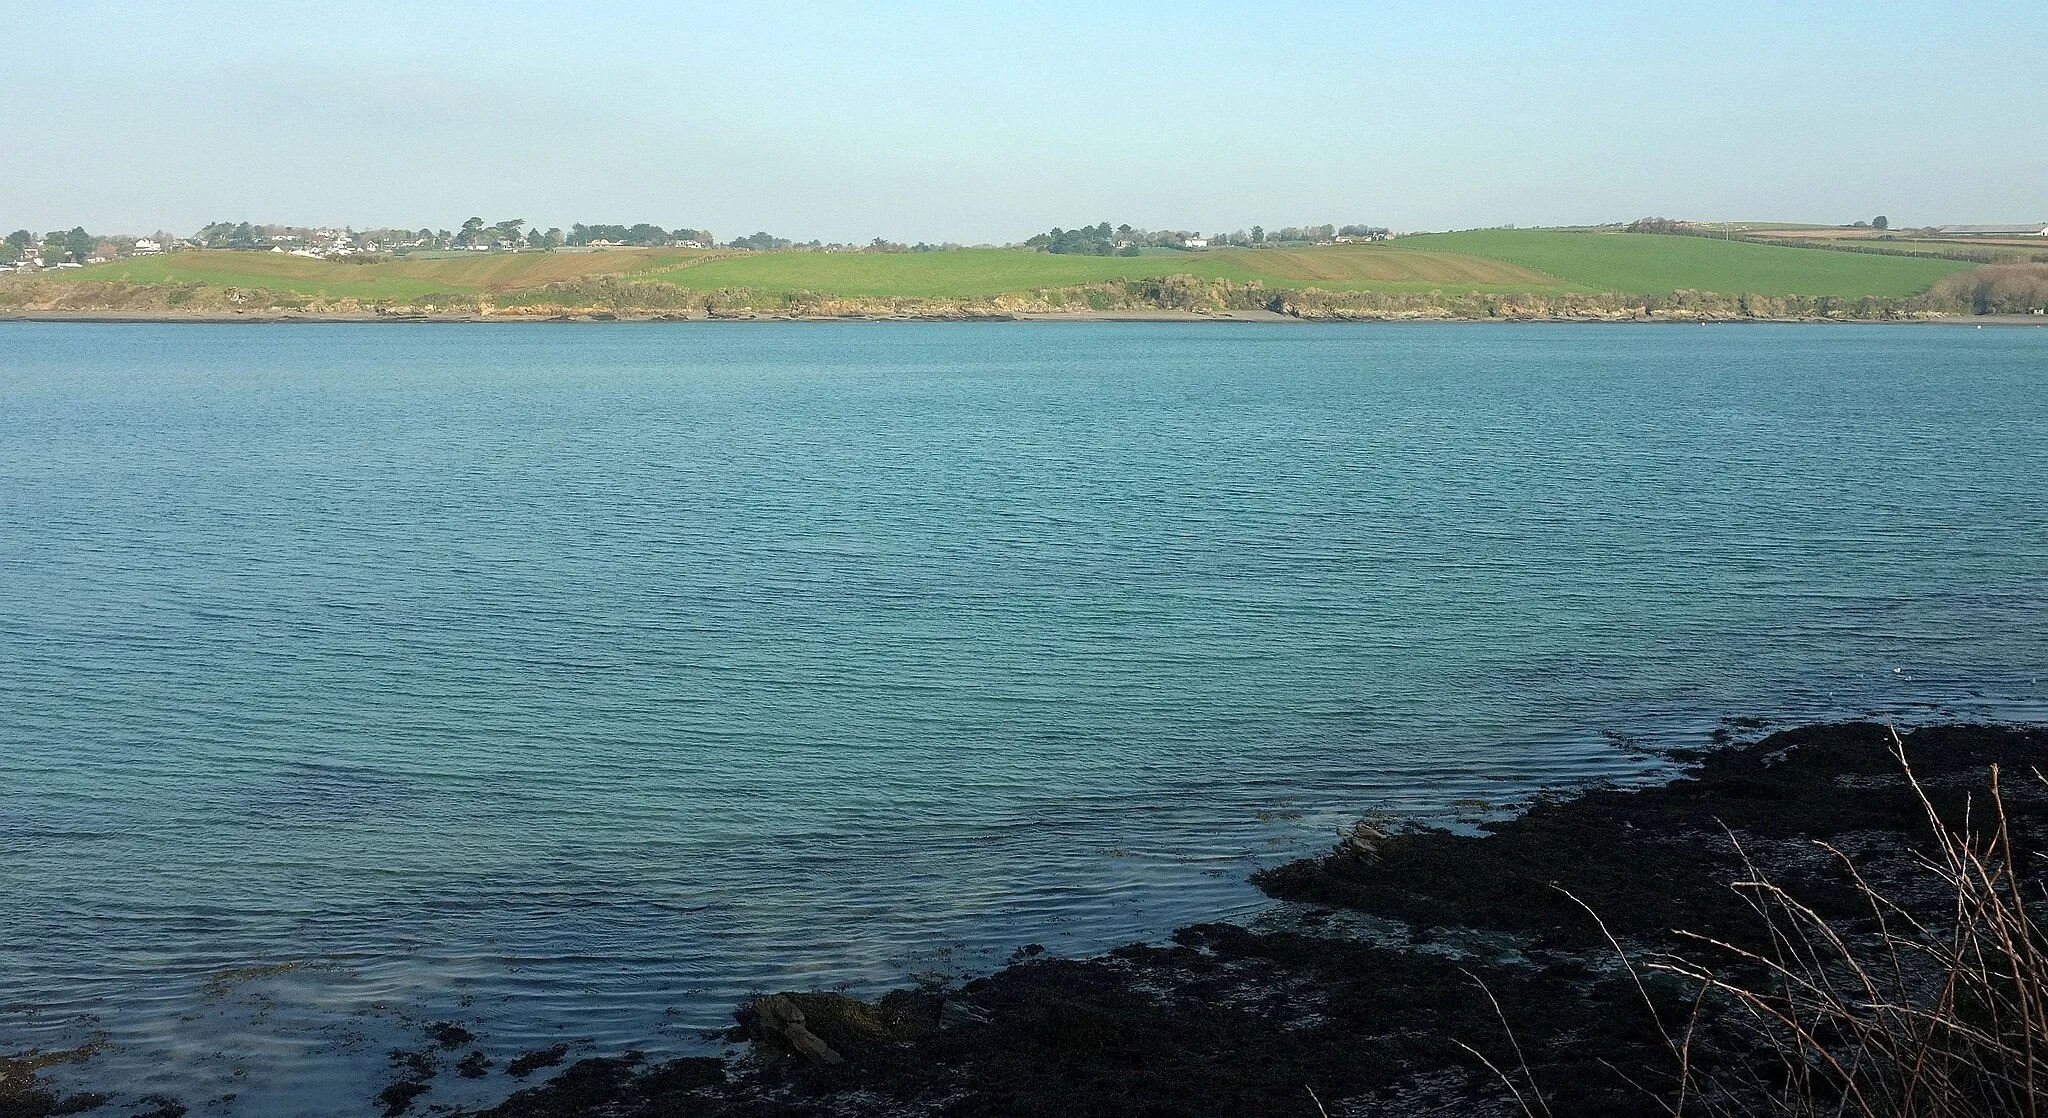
(513,233)
(475,233)
(76,246)
(231,234)
(1316,234)
(1101,240)
(643,235)
(61,246)
(1088,240)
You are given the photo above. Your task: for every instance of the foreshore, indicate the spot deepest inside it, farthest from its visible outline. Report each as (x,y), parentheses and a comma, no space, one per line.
(1384,973)
(1163,315)
(1385,958)
(1399,964)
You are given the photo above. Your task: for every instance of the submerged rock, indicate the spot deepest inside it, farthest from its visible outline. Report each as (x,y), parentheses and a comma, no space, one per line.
(523,1066)
(778,1018)
(1363,841)
(955,1013)
(22,1094)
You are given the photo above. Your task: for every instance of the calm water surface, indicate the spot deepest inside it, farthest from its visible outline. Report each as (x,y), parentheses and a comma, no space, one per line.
(572,681)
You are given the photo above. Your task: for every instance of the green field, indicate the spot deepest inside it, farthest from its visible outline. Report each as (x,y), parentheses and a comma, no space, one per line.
(1653,264)
(473,273)
(970,273)
(1531,261)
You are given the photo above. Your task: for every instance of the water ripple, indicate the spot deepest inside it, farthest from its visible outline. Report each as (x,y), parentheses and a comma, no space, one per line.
(577,683)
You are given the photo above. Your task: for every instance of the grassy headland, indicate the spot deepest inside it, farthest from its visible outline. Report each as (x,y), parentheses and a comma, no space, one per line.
(1498,273)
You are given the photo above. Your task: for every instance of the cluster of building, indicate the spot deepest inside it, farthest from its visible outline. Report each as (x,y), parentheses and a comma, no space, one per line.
(323,244)
(36,253)
(56,251)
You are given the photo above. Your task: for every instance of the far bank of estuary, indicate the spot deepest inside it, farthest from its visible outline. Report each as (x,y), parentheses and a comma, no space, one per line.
(283,317)
(1484,275)
(1174,298)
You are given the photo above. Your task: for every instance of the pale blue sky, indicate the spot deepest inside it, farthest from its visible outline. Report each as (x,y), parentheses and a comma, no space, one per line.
(978,122)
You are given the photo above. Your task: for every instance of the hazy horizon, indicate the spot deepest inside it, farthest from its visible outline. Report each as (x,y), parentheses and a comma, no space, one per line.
(917,122)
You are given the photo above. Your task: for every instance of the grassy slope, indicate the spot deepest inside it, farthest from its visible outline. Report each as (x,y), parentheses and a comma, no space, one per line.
(393,279)
(1653,264)
(961,274)
(1535,261)
(977,272)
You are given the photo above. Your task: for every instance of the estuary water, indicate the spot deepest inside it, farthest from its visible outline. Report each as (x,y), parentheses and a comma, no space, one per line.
(570,682)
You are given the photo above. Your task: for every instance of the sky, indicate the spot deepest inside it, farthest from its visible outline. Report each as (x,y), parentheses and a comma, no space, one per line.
(987,122)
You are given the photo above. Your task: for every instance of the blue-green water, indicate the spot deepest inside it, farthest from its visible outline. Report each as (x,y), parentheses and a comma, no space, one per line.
(572,681)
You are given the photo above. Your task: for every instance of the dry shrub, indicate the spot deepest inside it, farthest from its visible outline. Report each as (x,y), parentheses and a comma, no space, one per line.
(1940,1012)
(1933,1014)
(1994,289)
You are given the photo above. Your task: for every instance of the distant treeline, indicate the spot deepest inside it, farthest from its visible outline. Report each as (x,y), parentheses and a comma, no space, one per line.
(514,234)
(59,247)
(1101,240)
(510,233)
(246,236)
(641,235)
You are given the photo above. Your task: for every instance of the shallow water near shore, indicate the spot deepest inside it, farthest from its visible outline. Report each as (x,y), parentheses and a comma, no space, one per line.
(571,682)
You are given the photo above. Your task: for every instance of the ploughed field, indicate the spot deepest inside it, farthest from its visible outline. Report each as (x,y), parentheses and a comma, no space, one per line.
(1492,261)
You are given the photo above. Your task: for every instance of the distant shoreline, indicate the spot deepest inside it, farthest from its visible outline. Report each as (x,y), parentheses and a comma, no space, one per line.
(159,317)
(1498,275)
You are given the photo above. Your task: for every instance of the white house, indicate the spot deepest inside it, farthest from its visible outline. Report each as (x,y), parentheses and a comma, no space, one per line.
(147,247)
(1195,242)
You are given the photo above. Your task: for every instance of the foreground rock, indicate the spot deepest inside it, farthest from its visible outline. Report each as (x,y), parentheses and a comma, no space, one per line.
(1360,996)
